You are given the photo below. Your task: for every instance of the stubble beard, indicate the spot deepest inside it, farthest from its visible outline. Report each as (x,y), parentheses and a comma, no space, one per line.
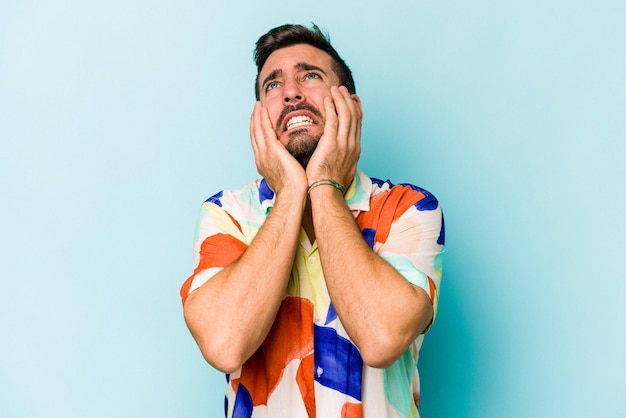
(302,145)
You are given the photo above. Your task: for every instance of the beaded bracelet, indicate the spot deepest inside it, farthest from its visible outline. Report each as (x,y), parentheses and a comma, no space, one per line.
(329,182)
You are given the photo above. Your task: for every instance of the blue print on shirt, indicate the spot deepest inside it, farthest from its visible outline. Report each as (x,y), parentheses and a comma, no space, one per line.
(429,202)
(380,182)
(265,193)
(243,403)
(369,234)
(338,363)
(442,233)
(331,315)
(216,198)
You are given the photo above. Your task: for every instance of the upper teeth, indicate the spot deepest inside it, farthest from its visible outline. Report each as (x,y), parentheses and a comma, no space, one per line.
(297,121)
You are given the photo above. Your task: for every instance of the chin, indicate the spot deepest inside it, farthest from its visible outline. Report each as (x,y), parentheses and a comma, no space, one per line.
(302,144)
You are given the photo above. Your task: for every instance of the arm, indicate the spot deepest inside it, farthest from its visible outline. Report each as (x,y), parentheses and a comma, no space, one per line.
(231,314)
(381,311)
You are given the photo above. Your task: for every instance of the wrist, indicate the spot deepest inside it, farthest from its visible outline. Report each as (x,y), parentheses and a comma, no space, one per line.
(291,200)
(326,182)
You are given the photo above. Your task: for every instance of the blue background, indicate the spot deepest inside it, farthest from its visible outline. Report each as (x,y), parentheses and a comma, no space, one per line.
(118,118)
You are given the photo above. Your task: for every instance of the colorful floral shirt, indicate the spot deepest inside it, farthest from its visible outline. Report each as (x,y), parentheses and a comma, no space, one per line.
(308,366)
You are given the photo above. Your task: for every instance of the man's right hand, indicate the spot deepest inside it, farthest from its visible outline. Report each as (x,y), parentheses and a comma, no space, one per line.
(278,167)
(232,313)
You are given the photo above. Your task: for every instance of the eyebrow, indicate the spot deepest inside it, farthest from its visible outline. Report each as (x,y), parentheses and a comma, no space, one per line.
(301,66)
(271,76)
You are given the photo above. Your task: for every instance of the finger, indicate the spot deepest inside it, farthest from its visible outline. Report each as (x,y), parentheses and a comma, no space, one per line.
(352,114)
(350,102)
(269,135)
(256,130)
(353,102)
(253,127)
(357,136)
(343,104)
(358,122)
(330,126)
(357,106)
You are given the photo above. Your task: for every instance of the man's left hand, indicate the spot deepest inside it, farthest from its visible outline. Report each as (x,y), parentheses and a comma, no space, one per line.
(339,147)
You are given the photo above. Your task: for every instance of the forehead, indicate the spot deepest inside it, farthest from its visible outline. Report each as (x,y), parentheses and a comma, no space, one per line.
(288,58)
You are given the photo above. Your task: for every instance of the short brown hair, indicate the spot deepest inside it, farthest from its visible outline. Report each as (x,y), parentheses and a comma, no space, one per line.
(288,35)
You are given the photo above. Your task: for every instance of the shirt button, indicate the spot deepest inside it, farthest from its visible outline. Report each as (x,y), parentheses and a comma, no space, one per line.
(312,259)
(320,371)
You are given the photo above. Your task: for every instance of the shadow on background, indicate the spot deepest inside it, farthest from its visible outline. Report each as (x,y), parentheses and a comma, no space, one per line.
(448,364)
(452,362)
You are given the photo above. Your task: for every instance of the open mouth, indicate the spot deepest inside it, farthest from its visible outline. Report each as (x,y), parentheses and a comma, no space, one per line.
(300,116)
(298,121)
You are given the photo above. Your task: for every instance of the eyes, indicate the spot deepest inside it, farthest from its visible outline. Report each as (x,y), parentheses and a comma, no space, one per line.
(311,75)
(271,85)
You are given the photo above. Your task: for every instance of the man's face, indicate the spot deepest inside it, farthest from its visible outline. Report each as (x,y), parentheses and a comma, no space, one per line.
(293,84)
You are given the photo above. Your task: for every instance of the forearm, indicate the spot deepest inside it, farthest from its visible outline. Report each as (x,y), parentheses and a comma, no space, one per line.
(381,311)
(232,313)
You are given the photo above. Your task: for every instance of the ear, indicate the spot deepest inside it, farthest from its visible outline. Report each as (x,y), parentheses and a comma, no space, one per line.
(357,103)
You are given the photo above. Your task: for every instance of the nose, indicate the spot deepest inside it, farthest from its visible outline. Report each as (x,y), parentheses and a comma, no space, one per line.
(292,93)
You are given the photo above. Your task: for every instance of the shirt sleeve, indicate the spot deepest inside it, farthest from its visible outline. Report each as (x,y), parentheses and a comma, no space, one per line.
(405,227)
(219,240)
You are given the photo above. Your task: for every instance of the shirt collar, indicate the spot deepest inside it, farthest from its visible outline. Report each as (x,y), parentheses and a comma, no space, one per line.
(357,196)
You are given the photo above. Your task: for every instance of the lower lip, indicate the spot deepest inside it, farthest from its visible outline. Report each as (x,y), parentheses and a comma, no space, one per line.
(299,127)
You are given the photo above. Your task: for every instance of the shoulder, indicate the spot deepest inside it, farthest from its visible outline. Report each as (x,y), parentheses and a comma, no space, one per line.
(251,194)
(247,205)
(402,194)
(403,210)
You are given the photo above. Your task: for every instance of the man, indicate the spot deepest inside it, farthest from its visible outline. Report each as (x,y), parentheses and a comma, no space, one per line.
(313,286)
